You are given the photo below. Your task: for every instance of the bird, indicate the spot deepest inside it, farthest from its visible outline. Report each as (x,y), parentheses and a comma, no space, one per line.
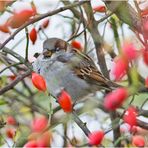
(67,68)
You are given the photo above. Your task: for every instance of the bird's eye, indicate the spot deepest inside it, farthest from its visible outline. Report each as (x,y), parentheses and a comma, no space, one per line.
(58,48)
(47,53)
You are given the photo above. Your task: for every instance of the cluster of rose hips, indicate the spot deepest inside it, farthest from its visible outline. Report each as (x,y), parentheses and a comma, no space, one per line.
(11,127)
(21,17)
(40,135)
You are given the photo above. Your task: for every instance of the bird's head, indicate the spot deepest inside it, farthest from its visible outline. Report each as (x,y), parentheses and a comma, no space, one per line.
(54,46)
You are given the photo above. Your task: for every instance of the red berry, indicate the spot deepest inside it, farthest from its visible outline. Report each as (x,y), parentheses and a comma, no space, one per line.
(33,35)
(19,18)
(10,133)
(115,99)
(45,23)
(65,101)
(138,141)
(38,81)
(11,120)
(76,44)
(4,28)
(129,51)
(145,57)
(99,9)
(130,116)
(96,137)
(120,68)
(39,124)
(31,144)
(44,140)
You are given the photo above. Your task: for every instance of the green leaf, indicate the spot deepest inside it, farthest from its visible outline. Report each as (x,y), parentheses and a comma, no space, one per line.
(134,77)
(2,102)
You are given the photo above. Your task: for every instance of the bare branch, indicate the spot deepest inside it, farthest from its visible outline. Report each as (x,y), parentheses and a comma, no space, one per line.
(125,12)
(38,18)
(16,81)
(80,123)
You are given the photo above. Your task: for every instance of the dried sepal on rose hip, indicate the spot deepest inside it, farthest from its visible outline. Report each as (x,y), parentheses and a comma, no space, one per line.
(115,99)
(39,82)
(65,101)
(10,133)
(95,138)
(12,77)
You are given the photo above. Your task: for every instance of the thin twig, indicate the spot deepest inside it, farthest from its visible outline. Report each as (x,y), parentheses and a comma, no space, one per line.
(77,34)
(77,30)
(27,44)
(16,81)
(146,100)
(84,26)
(93,29)
(105,17)
(17,56)
(12,65)
(80,123)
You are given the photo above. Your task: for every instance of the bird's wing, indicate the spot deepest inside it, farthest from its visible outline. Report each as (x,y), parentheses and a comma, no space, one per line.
(84,67)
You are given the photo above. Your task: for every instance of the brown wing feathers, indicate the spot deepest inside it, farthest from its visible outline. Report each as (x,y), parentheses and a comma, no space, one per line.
(86,69)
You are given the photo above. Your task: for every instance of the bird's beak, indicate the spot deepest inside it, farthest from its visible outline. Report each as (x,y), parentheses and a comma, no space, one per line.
(47,53)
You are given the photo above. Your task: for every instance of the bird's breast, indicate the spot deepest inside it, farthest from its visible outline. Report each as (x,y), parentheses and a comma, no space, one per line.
(59,76)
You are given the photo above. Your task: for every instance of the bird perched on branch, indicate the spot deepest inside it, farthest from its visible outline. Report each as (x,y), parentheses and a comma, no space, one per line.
(64,67)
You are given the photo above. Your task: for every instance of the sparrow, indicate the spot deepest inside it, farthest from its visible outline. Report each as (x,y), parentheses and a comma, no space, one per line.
(67,68)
